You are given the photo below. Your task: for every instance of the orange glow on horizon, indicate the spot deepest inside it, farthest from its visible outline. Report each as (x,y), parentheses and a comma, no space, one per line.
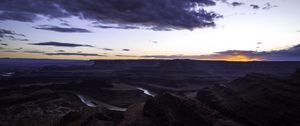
(241,58)
(229,58)
(236,58)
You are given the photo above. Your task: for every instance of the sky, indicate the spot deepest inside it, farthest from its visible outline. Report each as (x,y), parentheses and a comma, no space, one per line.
(230,30)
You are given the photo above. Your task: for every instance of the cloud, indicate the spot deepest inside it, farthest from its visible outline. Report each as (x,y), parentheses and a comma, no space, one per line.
(12,50)
(60,44)
(236,56)
(292,53)
(9,51)
(18,39)
(126,56)
(65,24)
(163,14)
(4,44)
(29,10)
(126,50)
(215,56)
(73,54)
(25,51)
(60,51)
(269,6)
(18,16)
(237,4)
(169,56)
(61,29)
(18,49)
(107,49)
(11,35)
(34,51)
(155,42)
(180,56)
(116,27)
(254,6)
(289,54)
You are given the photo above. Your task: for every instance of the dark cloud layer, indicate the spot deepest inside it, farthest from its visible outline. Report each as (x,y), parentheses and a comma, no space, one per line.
(60,51)
(254,6)
(11,35)
(18,39)
(269,6)
(126,50)
(34,51)
(107,49)
(73,54)
(169,56)
(163,14)
(61,44)
(18,16)
(292,53)
(116,27)
(9,51)
(237,3)
(266,6)
(4,32)
(289,54)
(4,44)
(126,56)
(61,29)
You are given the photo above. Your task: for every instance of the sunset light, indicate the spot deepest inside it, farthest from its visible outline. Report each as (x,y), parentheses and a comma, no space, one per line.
(182,30)
(240,58)
(149,63)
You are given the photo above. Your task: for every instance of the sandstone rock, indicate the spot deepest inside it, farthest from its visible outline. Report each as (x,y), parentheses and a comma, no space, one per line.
(256,99)
(171,110)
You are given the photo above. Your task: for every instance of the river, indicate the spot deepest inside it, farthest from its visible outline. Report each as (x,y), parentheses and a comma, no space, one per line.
(146,91)
(94,103)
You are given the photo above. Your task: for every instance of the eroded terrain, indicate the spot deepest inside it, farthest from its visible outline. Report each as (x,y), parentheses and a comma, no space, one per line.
(149,92)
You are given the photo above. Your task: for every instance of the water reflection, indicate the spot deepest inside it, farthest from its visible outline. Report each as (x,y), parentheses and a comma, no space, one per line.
(95,103)
(146,91)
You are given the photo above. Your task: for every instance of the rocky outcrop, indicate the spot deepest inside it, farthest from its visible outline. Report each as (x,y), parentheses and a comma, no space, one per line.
(86,117)
(46,107)
(256,100)
(253,100)
(51,96)
(91,117)
(171,110)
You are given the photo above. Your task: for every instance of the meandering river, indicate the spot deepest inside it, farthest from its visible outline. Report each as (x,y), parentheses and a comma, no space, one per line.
(94,103)
(146,91)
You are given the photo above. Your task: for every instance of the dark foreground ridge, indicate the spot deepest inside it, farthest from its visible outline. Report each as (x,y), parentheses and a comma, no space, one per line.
(254,100)
(99,95)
